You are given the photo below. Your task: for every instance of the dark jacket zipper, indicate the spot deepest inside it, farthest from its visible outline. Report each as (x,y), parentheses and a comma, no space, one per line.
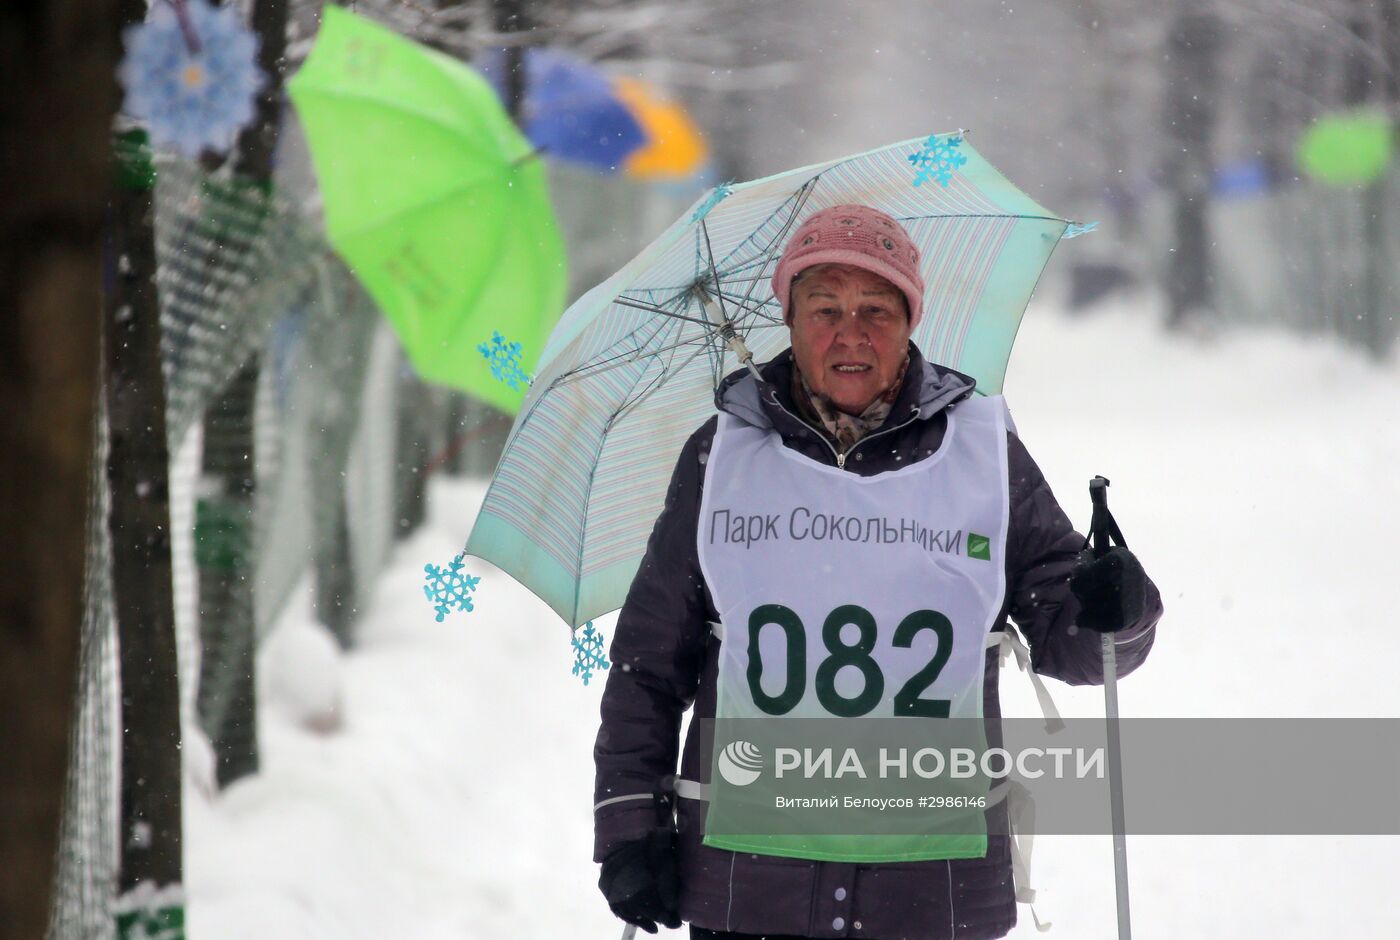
(841,457)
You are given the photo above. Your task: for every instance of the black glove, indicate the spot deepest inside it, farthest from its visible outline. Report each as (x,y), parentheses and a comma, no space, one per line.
(639,880)
(1112,589)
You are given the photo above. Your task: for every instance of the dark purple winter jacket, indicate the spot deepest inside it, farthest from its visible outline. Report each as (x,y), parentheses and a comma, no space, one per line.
(665,659)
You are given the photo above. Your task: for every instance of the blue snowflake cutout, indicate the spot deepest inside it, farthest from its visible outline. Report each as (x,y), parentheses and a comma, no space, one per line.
(448,588)
(1075,229)
(589,653)
(938,159)
(193,91)
(716,196)
(504,359)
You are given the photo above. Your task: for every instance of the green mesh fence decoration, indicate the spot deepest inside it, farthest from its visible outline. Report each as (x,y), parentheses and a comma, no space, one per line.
(86,873)
(249,292)
(233,259)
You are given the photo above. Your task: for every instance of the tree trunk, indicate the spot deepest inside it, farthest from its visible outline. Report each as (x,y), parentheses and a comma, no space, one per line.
(1384,328)
(338,344)
(1363,83)
(1192,80)
(225,518)
(224,556)
(56,107)
(476,431)
(413,449)
(138,468)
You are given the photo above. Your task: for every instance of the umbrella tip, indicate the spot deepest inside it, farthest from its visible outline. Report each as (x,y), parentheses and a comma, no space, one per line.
(533,154)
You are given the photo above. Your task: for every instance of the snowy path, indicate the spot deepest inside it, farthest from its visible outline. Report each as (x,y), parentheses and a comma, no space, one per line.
(1256,478)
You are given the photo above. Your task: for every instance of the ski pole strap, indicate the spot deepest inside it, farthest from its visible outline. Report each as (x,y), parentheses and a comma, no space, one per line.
(1102,525)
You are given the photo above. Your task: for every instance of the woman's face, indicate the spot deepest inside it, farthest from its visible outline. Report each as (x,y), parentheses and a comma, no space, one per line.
(850,332)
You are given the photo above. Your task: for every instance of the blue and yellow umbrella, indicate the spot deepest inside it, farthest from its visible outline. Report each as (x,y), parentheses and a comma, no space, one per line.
(576,113)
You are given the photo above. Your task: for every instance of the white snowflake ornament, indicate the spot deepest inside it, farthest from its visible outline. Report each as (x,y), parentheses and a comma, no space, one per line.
(195,89)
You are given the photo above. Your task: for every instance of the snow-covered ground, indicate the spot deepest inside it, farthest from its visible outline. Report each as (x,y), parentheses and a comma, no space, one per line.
(1255,475)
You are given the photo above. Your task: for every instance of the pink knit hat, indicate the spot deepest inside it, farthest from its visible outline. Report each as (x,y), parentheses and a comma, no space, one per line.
(859,236)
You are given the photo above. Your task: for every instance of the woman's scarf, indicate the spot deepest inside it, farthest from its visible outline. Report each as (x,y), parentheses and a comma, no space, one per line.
(844,429)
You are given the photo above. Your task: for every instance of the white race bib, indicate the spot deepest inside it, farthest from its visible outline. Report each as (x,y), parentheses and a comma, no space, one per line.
(844,599)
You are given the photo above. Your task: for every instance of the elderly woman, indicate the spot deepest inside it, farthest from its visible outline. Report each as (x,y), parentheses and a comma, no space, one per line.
(850,423)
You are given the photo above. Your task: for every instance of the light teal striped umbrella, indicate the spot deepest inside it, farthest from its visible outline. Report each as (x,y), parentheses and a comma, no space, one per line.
(632,367)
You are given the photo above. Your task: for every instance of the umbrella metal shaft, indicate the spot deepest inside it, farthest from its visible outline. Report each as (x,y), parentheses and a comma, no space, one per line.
(726,330)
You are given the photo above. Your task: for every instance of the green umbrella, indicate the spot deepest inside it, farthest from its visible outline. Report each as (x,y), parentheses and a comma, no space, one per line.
(1346,149)
(435,201)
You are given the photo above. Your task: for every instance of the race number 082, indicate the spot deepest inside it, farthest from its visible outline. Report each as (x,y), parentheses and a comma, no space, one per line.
(907,701)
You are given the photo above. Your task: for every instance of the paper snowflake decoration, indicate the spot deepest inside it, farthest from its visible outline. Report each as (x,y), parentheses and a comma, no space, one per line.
(589,653)
(504,358)
(448,589)
(192,91)
(714,199)
(939,158)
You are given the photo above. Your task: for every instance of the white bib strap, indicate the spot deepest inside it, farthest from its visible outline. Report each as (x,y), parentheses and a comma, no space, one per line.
(1010,643)
(1020,805)
(692,790)
(1020,808)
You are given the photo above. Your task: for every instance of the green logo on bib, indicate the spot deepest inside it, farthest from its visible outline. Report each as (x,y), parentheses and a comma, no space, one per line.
(979,546)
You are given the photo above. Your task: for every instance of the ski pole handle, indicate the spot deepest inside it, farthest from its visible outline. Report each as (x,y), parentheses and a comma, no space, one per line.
(1102,526)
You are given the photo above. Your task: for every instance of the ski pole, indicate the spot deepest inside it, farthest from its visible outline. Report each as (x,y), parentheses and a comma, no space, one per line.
(1101,527)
